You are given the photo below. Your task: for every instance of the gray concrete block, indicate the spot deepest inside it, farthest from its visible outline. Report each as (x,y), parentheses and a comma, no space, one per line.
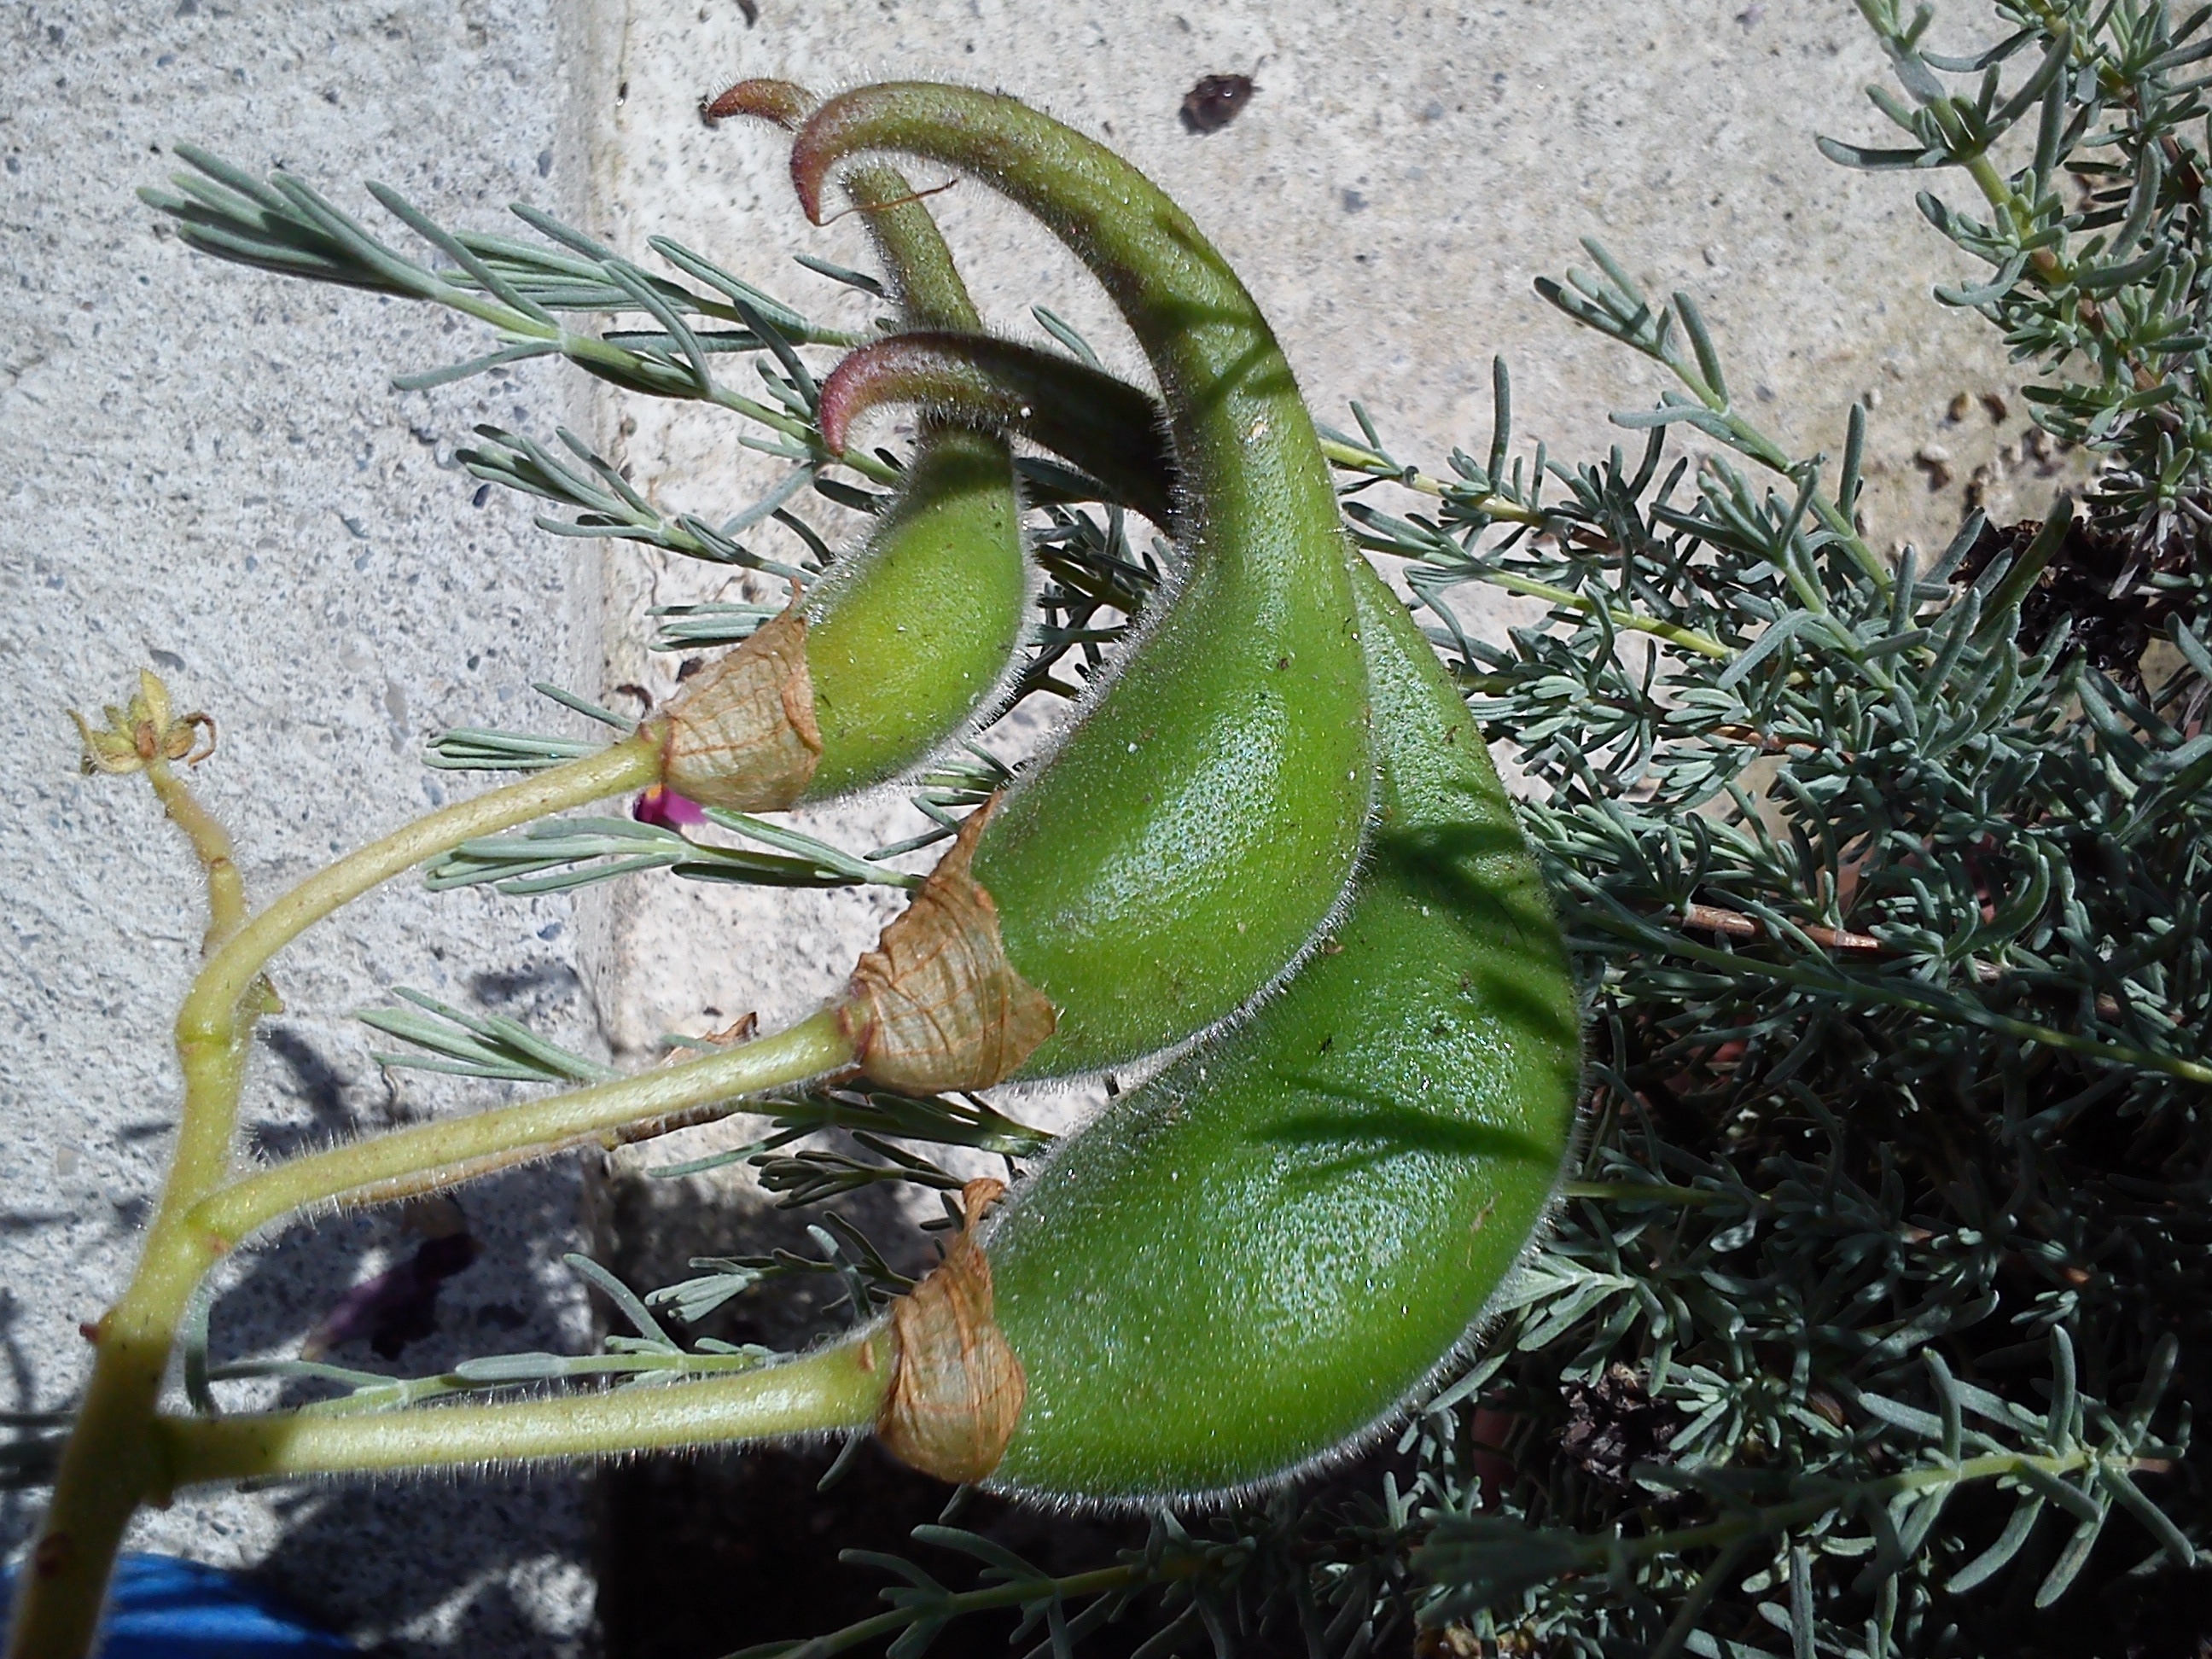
(206,470)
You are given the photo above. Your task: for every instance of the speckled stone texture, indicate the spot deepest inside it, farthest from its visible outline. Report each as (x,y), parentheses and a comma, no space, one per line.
(205,471)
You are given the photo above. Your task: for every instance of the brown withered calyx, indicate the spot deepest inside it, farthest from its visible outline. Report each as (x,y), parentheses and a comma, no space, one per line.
(936,1005)
(742,735)
(956,1388)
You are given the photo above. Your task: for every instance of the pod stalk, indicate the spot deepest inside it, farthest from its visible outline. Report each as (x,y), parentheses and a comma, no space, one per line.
(838,1387)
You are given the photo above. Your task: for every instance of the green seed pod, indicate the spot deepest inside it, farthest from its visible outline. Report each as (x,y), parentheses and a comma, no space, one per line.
(1246,1267)
(909,636)
(1199,826)
(1255,1260)
(1392,1126)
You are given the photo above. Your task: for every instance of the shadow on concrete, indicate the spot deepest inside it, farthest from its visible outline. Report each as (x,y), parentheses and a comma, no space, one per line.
(491,1561)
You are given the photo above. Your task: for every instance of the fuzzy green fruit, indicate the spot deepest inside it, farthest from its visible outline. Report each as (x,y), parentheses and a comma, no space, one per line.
(1199,823)
(912,634)
(1253,1261)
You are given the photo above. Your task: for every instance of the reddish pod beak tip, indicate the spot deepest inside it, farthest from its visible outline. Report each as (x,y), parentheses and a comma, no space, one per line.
(779,101)
(839,402)
(809,168)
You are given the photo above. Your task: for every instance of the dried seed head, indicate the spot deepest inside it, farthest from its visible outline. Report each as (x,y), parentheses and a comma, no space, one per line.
(956,1388)
(743,733)
(936,1005)
(148,727)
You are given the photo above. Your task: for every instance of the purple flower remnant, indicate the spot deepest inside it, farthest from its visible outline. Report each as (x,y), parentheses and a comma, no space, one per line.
(665,809)
(396,1307)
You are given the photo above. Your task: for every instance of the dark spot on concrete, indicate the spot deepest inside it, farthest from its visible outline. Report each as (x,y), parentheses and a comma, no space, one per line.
(1215,102)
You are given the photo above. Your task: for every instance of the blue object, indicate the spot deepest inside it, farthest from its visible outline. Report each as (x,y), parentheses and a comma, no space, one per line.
(162,1608)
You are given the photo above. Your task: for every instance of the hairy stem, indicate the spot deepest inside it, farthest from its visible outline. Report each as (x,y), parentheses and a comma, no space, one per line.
(207,1023)
(225,888)
(1798,1512)
(112,1462)
(838,1387)
(426,1155)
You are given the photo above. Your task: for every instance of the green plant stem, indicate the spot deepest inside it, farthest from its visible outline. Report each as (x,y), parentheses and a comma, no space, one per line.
(115,1461)
(225,888)
(1689,639)
(112,1463)
(590,352)
(1902,993)
(1781,1517)
(833,1389)
(2049,267)
(658,1365)
(1014,1593)
(1353,459)
(134,1351)
(206,1027)
(427,1156)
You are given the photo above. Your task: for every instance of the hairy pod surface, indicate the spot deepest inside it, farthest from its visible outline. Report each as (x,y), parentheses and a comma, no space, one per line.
(1253,1261)
(910,636)
(1195,829)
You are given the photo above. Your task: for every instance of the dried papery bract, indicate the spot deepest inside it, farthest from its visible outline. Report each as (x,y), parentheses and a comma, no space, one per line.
(957,1390)
(936,1005)
(742,735)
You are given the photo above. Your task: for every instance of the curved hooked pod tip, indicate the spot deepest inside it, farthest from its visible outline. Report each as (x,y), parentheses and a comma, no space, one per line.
(1233,740)
(784,102)
(930,291)
(1115,431)
(1196,319)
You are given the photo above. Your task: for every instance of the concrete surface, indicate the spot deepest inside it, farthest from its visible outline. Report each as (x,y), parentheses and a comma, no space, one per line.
(207,463)
(206,468)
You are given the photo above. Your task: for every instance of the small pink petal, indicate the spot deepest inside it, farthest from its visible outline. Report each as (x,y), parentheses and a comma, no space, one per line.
(665,808)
